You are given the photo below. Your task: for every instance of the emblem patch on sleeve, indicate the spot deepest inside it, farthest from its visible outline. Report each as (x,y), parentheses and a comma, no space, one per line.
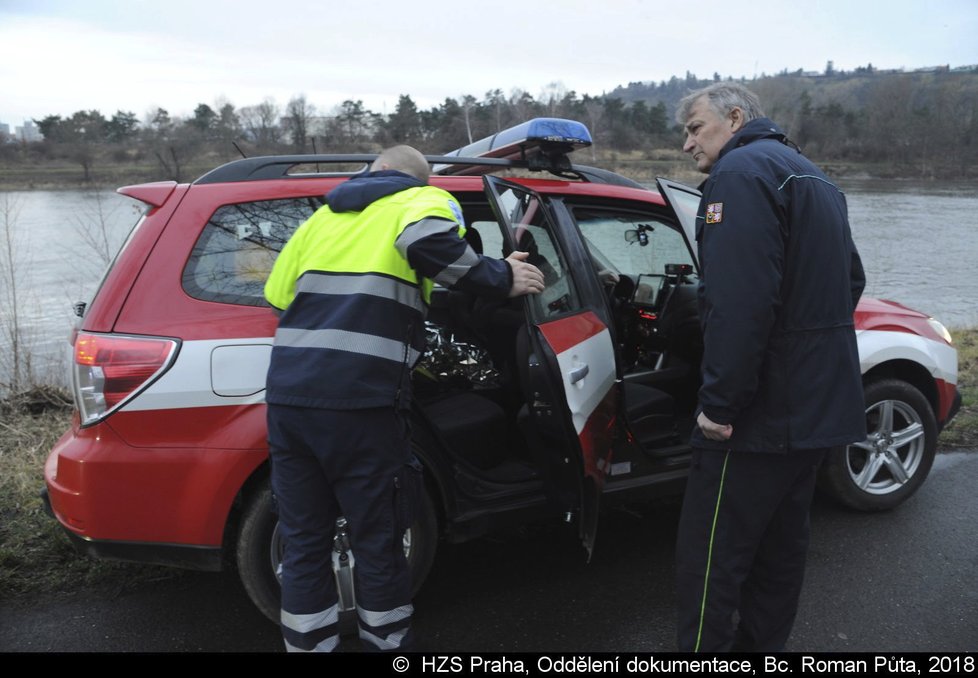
(714,213)
(457,212)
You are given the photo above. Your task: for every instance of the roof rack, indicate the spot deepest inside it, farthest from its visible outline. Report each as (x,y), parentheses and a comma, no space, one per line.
(265,167)
(541,144)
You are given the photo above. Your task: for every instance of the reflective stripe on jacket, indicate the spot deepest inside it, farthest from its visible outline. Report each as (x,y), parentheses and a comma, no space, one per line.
(354,287)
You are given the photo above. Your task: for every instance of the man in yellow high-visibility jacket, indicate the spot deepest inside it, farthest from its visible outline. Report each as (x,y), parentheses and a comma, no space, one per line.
(353,284)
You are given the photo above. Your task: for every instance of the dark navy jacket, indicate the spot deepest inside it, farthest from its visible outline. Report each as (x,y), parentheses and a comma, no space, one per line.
(780,281)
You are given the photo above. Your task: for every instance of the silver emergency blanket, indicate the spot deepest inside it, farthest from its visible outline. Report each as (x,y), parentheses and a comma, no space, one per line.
(450,360)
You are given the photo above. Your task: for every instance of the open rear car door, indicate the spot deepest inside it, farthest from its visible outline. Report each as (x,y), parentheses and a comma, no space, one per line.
(569,380)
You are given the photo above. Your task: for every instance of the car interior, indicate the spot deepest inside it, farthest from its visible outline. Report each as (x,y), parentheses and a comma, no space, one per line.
(469,384)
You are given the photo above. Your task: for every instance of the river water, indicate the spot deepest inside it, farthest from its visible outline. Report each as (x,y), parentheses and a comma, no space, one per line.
(918,241)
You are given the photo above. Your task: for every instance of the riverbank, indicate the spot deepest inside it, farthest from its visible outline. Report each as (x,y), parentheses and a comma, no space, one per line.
(642,166)
(65,176)
(35,555)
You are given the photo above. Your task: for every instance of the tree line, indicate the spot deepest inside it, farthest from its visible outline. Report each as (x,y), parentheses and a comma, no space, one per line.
(920,123)
(214,134)
(914,123)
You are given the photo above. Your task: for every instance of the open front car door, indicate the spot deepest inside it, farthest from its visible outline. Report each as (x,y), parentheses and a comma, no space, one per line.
(567,364)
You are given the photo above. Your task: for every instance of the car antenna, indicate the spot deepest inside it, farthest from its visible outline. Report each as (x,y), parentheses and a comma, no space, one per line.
(238,149)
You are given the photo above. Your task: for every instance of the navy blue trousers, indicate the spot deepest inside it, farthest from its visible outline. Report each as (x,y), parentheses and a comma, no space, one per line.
(356,464)
(741,548)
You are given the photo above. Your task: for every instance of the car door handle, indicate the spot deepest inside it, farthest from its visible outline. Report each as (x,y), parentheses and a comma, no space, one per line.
(578,373)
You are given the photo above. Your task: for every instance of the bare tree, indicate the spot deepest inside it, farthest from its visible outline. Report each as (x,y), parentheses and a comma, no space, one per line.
(93,225)
(16,361)
(261,123)
(522,104)
(497,101)
(552,95)
(594,109)
(468,101)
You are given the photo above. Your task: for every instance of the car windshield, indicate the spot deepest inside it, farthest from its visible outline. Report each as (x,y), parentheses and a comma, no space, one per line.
(633,244)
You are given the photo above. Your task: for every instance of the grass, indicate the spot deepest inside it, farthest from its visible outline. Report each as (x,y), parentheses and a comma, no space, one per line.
(36,557)
(963,430)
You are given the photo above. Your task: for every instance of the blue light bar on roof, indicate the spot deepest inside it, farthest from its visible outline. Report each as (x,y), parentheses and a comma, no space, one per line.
(540,134)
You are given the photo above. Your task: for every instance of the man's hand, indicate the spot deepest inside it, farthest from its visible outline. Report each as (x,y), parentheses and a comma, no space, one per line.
(608,277)
(712,430)
(527,278)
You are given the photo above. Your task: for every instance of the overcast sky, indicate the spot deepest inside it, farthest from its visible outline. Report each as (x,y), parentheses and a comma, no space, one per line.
(61,56)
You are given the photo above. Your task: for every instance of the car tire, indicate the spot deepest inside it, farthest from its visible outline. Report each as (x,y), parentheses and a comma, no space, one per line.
(883,471)
(259,549)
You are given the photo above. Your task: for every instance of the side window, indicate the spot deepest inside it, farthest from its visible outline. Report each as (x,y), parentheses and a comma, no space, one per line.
(236,250)
(532,233)
(492,238)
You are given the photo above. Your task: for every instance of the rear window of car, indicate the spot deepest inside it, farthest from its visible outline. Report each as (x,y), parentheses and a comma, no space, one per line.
(235,252)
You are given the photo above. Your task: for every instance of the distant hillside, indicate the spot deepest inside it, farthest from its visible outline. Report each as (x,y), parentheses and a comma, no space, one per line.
(922,122)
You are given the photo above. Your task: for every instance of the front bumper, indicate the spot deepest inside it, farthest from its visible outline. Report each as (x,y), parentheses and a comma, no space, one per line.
(953,410)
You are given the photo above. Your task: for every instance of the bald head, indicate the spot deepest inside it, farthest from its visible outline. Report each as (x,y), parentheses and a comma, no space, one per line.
(403,159)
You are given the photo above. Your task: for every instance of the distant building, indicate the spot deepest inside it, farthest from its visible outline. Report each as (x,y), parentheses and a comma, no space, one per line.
(4,131)
(28,132)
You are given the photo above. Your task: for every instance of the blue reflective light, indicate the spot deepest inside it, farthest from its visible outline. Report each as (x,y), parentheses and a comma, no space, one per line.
(547,129)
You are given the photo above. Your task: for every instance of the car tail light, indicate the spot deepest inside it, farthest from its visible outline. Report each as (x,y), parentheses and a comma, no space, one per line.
(111,369)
